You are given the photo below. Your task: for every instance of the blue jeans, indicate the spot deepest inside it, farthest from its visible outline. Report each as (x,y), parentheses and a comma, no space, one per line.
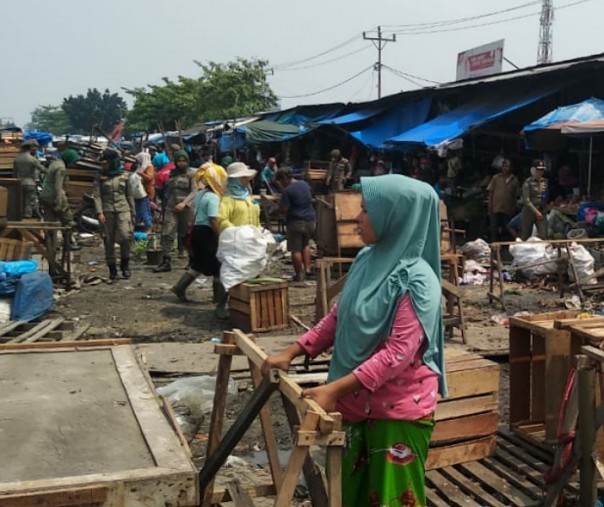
(143,212)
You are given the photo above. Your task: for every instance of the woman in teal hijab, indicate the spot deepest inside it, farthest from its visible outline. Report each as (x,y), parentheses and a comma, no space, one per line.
(387,366)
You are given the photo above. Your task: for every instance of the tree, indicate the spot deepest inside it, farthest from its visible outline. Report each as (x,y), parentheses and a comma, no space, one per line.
(223,91)
(49,119)
(95,108)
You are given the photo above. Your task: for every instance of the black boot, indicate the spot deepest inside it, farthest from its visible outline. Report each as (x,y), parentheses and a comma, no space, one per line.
(221,312)
(112,271)
(216,291)
(165,266)
(180,288)
(125,267)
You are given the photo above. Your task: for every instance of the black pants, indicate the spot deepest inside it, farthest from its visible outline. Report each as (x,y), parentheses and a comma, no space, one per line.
(498,226)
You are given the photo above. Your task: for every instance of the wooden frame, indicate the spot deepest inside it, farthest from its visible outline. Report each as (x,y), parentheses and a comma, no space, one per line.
(316,427)
(260,307)
(171,482)
(336,223)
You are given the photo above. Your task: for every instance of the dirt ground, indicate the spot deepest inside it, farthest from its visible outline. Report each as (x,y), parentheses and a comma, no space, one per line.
(143,309)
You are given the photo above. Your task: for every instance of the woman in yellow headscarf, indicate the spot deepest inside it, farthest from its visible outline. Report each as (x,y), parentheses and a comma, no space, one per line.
(211,178)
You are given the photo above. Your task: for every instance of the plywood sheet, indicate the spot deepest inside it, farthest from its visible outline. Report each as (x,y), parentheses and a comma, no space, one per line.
(64,414)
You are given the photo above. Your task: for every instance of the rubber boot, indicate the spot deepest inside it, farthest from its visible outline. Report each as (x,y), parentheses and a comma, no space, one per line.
(125,268)
(216,287)
(180,288)
(165,266)
(112,271)
(221,310)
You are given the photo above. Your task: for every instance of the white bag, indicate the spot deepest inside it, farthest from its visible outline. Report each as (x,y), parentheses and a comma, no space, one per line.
(584,262)
(136,186)
(534,250)
(242,252)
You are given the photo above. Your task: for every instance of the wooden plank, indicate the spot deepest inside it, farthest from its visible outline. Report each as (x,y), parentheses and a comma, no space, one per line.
(520,374)
(498,483)
(465,428)
(63,498)
(75,345)
(239,306)
(163,444)
(53,324)
(255,491)
(473,382)
(77,333)
(439,457)
(538,377)
(516,480)
(471,487)
(448,409)
(557,368)
(239,496)
(38,329)
(452,492)
(10,326)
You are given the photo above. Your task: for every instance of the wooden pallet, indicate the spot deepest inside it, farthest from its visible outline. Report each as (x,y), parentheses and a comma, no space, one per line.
(46,330)
(513,476)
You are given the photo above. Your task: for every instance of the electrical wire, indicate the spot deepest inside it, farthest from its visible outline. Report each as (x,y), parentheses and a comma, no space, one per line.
(280,66)
(412,76)
(371,85)
(496,22)
(330,87)
(433,24)
(413,81)
(356,51)
(363,86)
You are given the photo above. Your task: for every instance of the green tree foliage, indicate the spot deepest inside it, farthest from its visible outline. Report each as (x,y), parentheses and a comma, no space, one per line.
(49,119)
(222,91)
(94,108)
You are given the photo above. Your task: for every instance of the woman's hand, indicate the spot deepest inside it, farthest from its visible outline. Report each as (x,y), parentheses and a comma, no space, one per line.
(102,218)
(179,207)
(280,361)
(323,395)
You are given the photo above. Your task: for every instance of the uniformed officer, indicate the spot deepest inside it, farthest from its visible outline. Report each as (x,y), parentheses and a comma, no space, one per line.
(115,209)
(178,216)
(338,173)
(53,195)
(534,201)
(28,169)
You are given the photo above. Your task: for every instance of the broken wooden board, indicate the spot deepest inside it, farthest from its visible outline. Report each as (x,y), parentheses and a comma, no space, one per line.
(57,329)
(74,419)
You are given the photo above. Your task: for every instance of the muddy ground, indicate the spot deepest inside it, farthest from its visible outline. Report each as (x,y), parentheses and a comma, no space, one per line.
(143,309)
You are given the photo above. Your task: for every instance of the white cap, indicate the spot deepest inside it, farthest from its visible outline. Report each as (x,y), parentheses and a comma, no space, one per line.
(240,170)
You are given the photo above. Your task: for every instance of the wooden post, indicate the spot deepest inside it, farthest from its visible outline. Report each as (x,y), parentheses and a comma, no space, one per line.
(218,409)
(587,436)
(334,468)
(500,273)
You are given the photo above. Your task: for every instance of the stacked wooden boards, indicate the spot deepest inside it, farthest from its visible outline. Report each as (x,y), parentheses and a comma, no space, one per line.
(337,224)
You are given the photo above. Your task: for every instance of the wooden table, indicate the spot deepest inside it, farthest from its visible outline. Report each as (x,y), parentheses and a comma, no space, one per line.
(37,231)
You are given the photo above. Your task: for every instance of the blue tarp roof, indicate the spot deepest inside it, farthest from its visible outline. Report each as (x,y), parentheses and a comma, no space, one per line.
(360,115)
(588,110)
(472,114)
(301,115)
(394,122)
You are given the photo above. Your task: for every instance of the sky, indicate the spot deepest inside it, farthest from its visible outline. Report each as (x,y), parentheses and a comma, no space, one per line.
(57,48)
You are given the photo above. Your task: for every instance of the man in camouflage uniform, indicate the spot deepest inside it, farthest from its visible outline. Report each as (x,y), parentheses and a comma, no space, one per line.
(178,216)
(338,173)
(28,169)
(53,195)
(534,202)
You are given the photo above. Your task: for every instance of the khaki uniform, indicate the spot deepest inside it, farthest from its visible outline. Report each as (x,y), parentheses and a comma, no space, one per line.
(337,174)
(54,197)
(503,194)
(175,223)
(28,168)
(534,199)
(112,197)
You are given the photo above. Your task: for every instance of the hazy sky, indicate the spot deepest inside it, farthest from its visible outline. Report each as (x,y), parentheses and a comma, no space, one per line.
(54,48)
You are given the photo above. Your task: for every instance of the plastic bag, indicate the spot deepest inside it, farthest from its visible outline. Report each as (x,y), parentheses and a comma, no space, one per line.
(136,186)
(242,252)
(532,251)
(192,398)
(584,262)
(11,271)
(478,250)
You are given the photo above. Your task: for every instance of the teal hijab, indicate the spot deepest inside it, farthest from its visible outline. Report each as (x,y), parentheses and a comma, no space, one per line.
(404,214)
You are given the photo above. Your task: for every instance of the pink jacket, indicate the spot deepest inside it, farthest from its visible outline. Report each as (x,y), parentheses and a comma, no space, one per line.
(396,383)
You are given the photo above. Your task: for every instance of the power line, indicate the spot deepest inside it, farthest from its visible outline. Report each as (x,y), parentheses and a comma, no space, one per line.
(496,22)
(412,76)
(370,77)
(314,57)
(404,77)
(329,88)
(434,24)
(356,51)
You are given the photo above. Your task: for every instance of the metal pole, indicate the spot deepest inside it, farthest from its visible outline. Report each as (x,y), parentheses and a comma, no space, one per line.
(587,436)
(380,47)
(591,147)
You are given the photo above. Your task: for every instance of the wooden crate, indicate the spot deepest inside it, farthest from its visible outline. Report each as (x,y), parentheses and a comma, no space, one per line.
(542,351)
(316,170)
(14,208)
(466,421)
(84,426)
(336,224)
(260,306)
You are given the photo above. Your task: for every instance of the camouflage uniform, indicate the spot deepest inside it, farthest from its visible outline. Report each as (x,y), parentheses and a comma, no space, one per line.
(28,168)
(113,199)
(339,171)
(176,222)
(534,199)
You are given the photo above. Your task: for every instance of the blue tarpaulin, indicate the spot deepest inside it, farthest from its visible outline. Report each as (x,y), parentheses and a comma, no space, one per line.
(43,138)
(393,123)
(588,110)
(360,115)
(461,120)
(301,115)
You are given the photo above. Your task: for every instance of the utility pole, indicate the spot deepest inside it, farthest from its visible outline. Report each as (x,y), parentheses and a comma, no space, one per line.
(544,52)
(380,43)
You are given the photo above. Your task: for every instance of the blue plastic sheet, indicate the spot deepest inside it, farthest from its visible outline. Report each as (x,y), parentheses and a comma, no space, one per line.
(33,298)
(10,272)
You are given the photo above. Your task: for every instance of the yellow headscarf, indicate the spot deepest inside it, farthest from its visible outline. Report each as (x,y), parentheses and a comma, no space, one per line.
(213,176)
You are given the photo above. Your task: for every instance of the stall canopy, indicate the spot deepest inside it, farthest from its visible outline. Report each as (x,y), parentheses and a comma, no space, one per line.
(393,123)
(305,114)
(356,116)
(461,120)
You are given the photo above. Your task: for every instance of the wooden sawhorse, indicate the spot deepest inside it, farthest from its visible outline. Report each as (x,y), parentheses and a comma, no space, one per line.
(311,425)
